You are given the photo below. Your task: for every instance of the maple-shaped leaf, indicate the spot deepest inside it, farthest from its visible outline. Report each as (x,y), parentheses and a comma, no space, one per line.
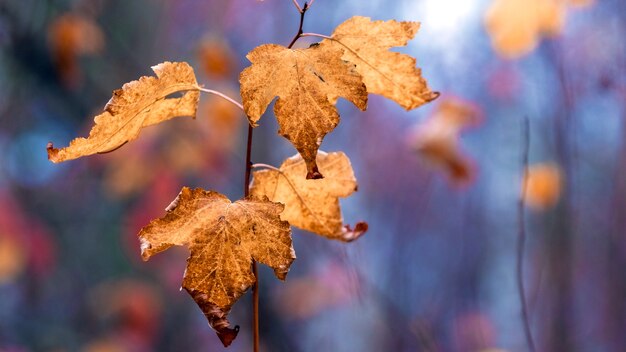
(308,83)
(223,239)
(366,43)
(312,205)
(137,105)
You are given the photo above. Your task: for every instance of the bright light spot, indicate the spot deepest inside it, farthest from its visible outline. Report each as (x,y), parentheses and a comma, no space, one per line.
(443,17)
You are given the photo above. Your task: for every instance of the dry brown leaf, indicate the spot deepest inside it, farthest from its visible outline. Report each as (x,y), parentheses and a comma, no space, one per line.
(436,140)
(366,43)
(137,105)
(543,186)
(517,26)
(312,205)
(223,239)
(308,83)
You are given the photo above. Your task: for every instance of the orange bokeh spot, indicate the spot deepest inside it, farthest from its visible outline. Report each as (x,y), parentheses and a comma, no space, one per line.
(543,187)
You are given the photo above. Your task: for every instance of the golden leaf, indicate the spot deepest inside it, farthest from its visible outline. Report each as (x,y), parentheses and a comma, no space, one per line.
(543,186)
(137,105)
(436,140)
(366,43)
(308,83)
(312,205)
(223,239)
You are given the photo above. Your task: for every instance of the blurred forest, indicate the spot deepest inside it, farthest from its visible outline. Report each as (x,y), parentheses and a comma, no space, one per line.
(439,185)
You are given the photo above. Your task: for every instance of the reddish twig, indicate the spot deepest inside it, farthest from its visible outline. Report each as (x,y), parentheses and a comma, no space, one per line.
(221,95)
(295,2)
(299,34)
(255,292)
(255,288)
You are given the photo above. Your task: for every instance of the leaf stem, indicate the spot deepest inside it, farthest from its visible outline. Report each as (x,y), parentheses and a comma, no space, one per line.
(266,166)
(255,307)
(299,34)
(316,35)
(295,2)
(246,189)
(521,236)
(255,288)
(221,95)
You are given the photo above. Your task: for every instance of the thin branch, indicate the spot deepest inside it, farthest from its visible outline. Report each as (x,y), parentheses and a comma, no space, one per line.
(246,188)
(295,2)
(255,292)
(299,34)
(316,35)
(255,288)
(255,307)
(521,236)
(266,166)
(222,95)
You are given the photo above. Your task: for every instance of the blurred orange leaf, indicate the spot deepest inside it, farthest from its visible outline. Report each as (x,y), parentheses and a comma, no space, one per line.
(437,139)
(543,186)
(223,239)
(70,36)
(216,57)
(305,297)
(517,26)
(13,258)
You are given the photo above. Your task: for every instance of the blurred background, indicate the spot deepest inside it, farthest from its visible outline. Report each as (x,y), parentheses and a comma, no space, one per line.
(439,185)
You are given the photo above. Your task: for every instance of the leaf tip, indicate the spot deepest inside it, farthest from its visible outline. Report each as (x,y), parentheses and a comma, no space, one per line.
(145,247)
(348,234)
(314,174)
(433,96)
(216,316)
(228,335)
(282,270)
(53,153)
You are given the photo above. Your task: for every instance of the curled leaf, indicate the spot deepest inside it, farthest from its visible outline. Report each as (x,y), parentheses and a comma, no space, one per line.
(366,43)
(312,205)
(137,105)
(223,239)
(308,83)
